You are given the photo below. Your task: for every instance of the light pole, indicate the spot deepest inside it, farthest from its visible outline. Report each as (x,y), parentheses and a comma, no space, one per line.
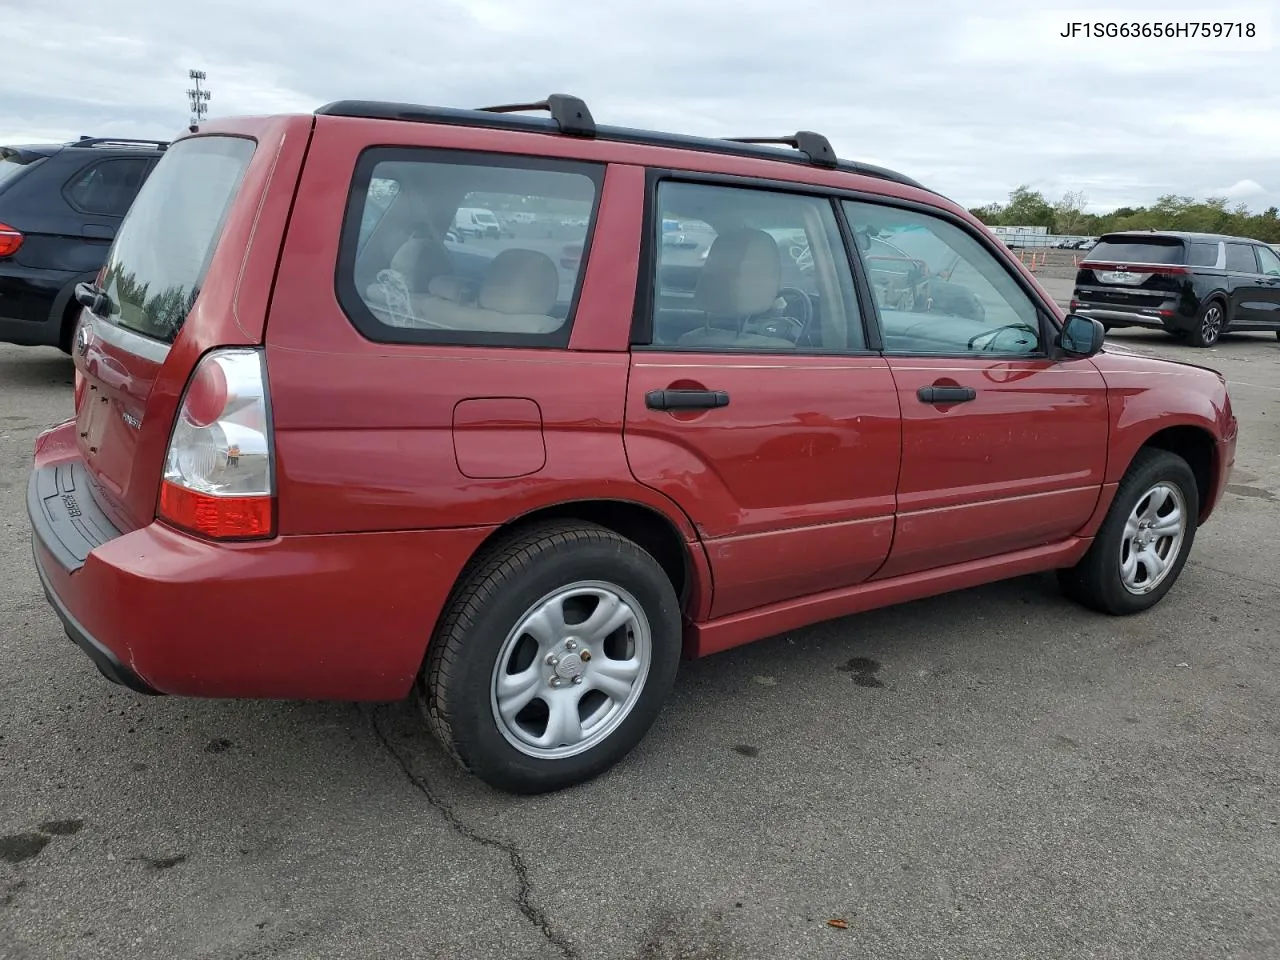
(199,98)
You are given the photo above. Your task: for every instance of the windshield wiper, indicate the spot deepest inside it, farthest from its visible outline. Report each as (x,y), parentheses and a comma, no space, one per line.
(95,300)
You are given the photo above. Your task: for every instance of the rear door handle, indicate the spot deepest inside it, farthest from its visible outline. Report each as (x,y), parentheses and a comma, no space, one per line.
(685,399)
(946,394)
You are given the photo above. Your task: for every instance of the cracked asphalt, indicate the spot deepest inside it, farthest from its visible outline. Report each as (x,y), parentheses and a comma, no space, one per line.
(995,773)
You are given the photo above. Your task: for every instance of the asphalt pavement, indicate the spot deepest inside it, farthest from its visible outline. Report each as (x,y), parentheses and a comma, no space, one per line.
(995,773)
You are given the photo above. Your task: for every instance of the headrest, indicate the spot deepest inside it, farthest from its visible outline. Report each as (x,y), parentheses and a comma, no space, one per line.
(419,260)
(741,276)
(520,281)
(454,289)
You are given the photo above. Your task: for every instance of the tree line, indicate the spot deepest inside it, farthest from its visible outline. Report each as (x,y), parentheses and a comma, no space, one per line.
(1029,208)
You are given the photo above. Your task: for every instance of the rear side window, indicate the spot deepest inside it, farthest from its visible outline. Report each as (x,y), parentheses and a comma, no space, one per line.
(453,247)
(1240,258)
(1138,250)
(1203,255)
(108,187)
(162,251)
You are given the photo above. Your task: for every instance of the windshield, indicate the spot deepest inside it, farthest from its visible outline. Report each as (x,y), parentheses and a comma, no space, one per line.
(163,249)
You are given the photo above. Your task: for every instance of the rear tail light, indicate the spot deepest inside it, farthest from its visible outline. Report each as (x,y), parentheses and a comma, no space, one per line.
(10,240)
(219,476)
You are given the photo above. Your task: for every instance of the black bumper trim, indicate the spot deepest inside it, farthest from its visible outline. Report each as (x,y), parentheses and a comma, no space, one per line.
(65,515)
(106,661)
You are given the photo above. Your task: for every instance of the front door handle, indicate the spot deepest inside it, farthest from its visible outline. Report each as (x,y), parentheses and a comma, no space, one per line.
(673,399)
(935,394)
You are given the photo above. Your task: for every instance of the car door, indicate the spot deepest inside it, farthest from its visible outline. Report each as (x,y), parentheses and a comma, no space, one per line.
(1258,293)
(1003,449)
(1245,285)
(753,401)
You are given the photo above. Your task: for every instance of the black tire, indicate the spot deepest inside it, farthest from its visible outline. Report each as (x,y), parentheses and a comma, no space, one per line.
(499,586)
(1210,322)
(1096,580)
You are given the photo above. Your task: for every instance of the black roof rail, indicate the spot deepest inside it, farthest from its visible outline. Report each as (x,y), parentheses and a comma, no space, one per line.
(570,113)
(117,141)
(813,145)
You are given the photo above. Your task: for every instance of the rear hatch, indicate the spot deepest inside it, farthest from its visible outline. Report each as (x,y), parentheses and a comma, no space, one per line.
(1132,272)
(130,369)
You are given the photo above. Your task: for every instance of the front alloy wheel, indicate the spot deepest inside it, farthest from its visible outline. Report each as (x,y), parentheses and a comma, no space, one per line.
(1143,543)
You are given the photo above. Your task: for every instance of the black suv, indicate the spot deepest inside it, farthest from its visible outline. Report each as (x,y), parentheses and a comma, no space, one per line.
(60,205)
(1194,285)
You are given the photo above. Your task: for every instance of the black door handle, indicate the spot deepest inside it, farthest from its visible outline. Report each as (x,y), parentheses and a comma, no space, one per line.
(946,394)
(685,399)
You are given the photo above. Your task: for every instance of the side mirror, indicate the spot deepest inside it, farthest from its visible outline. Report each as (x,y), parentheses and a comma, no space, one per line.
(1081,336)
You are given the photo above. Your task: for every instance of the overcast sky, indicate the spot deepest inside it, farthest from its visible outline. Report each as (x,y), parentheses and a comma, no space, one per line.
(970,97)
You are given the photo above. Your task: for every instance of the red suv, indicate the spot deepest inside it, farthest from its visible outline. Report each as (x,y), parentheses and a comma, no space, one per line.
(323,449)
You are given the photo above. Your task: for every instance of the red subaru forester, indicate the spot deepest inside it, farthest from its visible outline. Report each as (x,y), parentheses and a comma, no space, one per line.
(326,447)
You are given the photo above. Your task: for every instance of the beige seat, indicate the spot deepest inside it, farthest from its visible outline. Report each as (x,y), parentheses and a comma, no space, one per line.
(519,289)
(740,279)
(517,295)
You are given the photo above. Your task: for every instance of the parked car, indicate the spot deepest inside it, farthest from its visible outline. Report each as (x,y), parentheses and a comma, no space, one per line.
(384,467)
(1194,286)
(476,222)
(60,205)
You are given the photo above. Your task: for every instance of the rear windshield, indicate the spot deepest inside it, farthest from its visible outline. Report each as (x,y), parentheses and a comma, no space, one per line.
(162,252)
(1138,250)
(12,164)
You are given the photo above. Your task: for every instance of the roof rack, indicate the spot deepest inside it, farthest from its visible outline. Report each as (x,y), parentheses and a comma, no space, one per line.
(813,145)
(118,142)
(569,115)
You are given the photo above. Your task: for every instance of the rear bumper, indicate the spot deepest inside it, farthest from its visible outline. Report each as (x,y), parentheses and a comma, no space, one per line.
(1135,318)
(28,299)
(342,617)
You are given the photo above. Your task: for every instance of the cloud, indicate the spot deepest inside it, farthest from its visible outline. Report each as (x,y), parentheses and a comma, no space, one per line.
(970,103)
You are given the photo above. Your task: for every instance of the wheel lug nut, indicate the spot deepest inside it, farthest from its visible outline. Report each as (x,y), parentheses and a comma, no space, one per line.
(577,679)
(552,659)
(555,681)
(570,645)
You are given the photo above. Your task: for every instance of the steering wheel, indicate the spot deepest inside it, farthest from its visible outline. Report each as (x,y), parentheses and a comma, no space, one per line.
(995,334)
(787,327)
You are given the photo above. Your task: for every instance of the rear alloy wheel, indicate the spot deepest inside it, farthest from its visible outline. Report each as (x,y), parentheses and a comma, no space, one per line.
(1144,541)
(554,657)
(1208,326)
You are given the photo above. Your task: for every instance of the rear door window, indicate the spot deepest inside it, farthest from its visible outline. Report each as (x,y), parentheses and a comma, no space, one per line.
(108,187)
(408,271)
(1138,250)
(742,269)
(1240,258)
(162,251)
